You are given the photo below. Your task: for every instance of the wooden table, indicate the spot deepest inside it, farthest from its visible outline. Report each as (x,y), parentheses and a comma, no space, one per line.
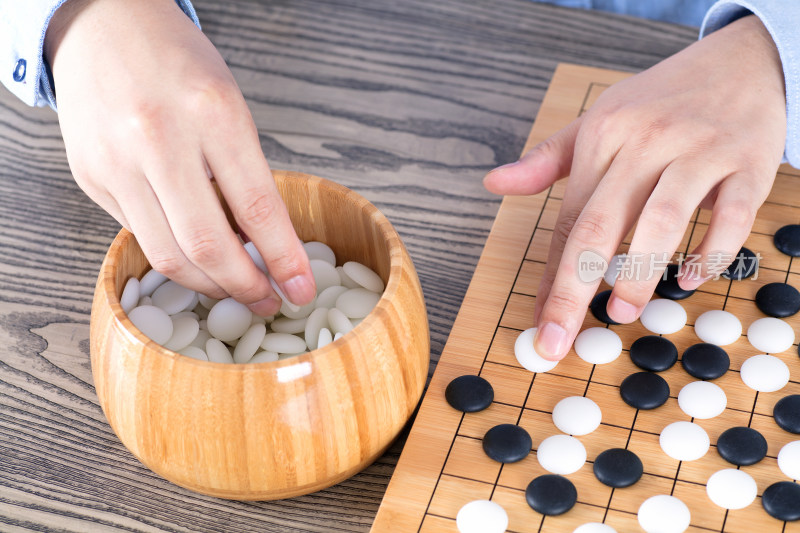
(409,103)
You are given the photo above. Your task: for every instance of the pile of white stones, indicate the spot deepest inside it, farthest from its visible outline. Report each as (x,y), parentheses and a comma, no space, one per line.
(226,331)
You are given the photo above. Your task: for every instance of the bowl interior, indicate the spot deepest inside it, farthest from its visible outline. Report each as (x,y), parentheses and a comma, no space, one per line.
(320,210)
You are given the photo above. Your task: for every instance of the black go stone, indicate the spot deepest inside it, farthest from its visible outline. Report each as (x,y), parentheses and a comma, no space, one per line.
(781,500)
(469,393)
(618,468)
(668,285)
(778,299)
(598,308)
(644,390)
(705,361)
(551,494)
(742,446)
(507,443)
(653,353)
(745,265)
(787,240)
(787,413)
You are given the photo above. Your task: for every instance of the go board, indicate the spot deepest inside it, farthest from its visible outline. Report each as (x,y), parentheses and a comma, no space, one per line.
(443,465)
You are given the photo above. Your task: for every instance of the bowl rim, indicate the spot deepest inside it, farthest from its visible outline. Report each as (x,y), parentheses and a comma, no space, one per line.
(396,251)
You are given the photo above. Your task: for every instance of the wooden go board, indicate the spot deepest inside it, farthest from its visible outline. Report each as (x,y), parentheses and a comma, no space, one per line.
(443,465)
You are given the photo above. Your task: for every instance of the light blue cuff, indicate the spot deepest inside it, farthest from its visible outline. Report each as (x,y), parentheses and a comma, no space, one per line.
(23,26)
(782,20)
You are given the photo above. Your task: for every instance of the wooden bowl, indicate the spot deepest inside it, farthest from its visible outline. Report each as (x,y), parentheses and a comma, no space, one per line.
(270,430)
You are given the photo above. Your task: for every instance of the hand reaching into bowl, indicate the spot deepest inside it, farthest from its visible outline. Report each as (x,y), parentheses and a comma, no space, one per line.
(149,112)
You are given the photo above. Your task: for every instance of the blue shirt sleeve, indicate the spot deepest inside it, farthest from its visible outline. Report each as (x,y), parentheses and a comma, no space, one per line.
(782,20)
(23,25)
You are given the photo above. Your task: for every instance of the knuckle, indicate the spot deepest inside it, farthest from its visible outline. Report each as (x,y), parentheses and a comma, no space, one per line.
(148,122)
(201,246)
(166,261)
(560,302)
(592,229)
(563,227)
(214,97)
(736,214)
(285,264)
(669,213)
(258,210)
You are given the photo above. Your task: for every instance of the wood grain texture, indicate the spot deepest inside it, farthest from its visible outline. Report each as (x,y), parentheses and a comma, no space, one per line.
(408,103)
(443,465)
(273,430)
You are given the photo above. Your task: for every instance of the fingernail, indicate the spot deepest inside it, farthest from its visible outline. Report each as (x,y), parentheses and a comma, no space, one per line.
(551,341)
(300,289)
(621,311)
(507,165)
(266,307)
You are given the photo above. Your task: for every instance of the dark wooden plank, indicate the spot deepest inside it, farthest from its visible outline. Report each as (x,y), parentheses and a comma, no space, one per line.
(409,103)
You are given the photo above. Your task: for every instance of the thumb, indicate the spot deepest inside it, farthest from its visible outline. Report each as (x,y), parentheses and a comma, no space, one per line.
(539,168)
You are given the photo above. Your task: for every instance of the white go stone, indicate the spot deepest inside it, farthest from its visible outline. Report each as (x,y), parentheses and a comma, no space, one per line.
(184,330)
(684,441)
(249,343)
(337,336)
(770,335)
(218,352)
(194,352)
(482,516)
(320,250)
(346,280)
(325,274)
(150,282)
(594,527)
(325,338)
(317,320)
(338,322)
(255,255)
(201,339)
(664,514)
(130,295)
(527,356)
(561,454)
(663,316)
(598,345)
(290,310)
(789,459)
(327,298)
(702,399)
(289,325)
(357,303)
(731,488)
(764,373)
(364,276)
(183,314)
(264,357)
(577,415)
(256,319)
(173,298)
(283,343)
(614,268)
(153,321)
(228,320)
(718,327)
(144,300)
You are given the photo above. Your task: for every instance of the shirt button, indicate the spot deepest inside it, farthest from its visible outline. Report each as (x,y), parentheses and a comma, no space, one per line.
(19,70)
